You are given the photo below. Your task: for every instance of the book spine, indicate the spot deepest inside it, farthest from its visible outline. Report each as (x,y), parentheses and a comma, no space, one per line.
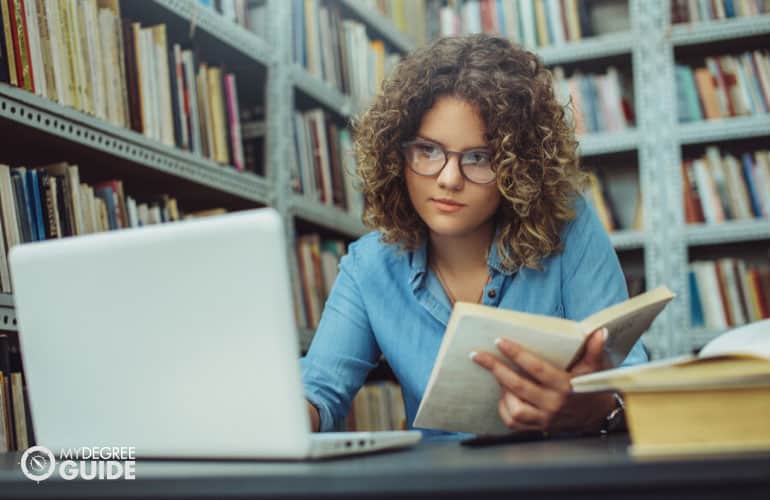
(8,44)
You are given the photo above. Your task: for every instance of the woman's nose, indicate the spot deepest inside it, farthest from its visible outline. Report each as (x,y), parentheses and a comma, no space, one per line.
(451,177)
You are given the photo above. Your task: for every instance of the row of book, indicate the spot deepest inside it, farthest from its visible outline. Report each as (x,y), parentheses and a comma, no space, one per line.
(726,86)
(597,194)
(599,102)
(695,11)
(338,50)
(378,406)
(16,431)
(50,201)
(323,166)
(728,292)
(82,54)
(531,23)
(250,14)
(318,260)
(721,187)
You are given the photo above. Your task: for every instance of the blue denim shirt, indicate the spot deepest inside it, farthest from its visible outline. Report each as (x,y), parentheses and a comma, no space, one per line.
(389,302)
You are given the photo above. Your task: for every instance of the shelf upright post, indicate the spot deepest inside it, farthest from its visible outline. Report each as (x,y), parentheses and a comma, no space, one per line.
(665,250)
(279,109)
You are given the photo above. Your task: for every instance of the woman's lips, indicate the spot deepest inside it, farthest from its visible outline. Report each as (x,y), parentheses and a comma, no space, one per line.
(447,205)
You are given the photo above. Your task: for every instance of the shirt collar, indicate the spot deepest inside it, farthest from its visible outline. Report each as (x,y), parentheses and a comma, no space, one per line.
(419,261)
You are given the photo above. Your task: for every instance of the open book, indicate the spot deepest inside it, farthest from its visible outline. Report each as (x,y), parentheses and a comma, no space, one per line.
(462,396)
(715,402)
(739,357)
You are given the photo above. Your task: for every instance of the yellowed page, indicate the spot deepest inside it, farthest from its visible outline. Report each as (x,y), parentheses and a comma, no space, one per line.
(461,396)
(627,321)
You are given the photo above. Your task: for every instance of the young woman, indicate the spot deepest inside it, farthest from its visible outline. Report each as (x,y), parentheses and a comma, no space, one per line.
(471,182)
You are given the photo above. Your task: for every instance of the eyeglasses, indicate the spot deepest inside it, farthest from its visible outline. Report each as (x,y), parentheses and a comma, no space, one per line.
(428,159)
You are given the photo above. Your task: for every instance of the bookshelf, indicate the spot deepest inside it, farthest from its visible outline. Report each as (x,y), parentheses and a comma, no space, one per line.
(721,30)
(656,140)
(597,47)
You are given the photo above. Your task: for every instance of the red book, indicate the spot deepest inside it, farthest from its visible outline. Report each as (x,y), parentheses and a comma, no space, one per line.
(723,294)
(25,37)
(15,40)
(693,210)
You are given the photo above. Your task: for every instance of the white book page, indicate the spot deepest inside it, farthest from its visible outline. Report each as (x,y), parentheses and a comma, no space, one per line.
(752,339)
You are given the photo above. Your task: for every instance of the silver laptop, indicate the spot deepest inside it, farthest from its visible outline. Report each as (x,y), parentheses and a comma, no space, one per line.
(177,339)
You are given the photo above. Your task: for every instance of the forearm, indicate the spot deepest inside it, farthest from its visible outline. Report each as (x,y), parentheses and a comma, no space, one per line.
(315,418)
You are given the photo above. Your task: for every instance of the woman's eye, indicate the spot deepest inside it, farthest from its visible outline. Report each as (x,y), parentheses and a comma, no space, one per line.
(428,150)
(476,157)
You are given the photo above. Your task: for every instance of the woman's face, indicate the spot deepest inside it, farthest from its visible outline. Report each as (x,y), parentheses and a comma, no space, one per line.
(456,126)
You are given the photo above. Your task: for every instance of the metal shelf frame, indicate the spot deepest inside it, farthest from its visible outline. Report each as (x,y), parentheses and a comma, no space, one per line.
(728,232)
(33,111)
(739,127)
(608,142)
(323,92)
(628,239)
(719,30)
(327,216)
(239,38)
(598,47)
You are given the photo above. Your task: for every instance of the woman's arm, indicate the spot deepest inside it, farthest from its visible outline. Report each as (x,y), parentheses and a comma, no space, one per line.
(315,419)
(542,399)
(343,350)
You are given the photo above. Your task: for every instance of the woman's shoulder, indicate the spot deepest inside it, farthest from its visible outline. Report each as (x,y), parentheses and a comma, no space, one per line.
(369,253)
(585,225)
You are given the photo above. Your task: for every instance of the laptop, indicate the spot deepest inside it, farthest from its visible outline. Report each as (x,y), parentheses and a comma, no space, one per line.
(177,339)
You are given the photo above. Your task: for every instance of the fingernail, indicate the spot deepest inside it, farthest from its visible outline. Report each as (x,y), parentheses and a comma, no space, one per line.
(498,341)
(605,333)
(472,354)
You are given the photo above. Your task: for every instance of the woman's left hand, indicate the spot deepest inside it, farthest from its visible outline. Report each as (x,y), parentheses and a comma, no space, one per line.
(544,400)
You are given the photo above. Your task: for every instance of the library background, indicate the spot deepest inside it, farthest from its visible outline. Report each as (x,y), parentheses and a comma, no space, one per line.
(121,114)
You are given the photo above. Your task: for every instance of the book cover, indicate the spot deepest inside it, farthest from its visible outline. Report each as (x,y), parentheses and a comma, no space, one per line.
(462,396)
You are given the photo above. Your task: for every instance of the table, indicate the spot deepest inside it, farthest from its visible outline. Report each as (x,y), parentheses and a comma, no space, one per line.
(576,468)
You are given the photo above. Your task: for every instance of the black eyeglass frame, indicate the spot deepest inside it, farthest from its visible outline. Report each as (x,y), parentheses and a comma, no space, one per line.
(405,145)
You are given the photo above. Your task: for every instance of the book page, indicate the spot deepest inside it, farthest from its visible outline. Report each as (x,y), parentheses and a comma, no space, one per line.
(462,396)
(752,339)
(627,321)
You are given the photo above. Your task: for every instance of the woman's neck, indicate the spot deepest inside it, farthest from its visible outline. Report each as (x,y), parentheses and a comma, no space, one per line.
(459,255)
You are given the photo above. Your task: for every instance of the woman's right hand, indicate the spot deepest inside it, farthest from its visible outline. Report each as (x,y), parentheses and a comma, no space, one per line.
(315,418)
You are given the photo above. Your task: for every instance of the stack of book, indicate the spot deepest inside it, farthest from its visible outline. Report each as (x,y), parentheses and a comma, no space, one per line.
(712,403)
(82,54)
(16,431)
(338,50)
(694,11)
(318,266)
(724,187)
(323,167)
(728,292)
(726,86)
(378,406)
(598,102)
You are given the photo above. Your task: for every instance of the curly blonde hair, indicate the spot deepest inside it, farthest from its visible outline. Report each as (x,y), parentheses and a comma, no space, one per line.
(528,130)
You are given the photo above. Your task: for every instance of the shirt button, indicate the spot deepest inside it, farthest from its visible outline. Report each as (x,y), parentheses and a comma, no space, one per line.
(491,294)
